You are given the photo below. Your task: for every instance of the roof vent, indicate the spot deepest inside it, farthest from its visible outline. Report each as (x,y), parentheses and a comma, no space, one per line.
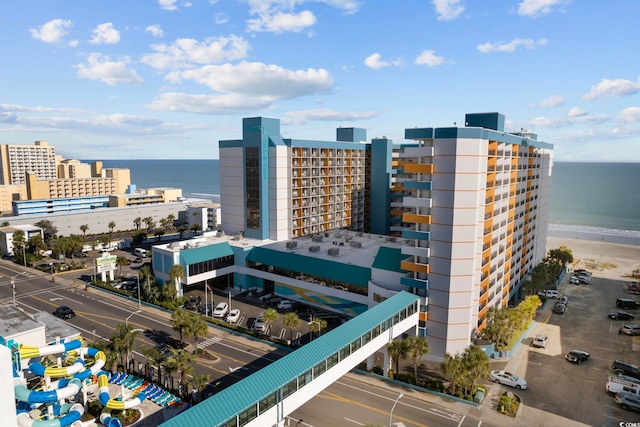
(355,244)
(333,251)
(314,248)
(292,245)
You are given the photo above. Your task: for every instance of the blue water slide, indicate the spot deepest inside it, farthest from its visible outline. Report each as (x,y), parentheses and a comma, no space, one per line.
(108,421)
(73,415)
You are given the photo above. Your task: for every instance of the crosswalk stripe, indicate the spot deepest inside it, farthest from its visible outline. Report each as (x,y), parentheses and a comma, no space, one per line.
(209,341)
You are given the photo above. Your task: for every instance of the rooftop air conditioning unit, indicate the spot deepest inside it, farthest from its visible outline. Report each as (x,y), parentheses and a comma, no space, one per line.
(390,239)
(355,244)
(314,248)
(317,238)
(333,251)
(359,234)
(292,245)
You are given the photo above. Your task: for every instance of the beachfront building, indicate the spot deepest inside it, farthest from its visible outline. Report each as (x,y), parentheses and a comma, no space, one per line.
(205,214)
(37,173)
(277,188)
(477,201)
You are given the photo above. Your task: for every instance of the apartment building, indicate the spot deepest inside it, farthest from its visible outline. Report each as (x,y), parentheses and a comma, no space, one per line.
(277,188)
(15,160)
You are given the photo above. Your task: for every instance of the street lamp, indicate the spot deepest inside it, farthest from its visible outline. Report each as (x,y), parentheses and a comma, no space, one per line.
(13,285)
(319,327)
(126,321)
(394,407)
(138,281)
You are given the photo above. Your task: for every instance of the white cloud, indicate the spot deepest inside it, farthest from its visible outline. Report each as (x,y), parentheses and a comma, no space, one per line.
(373,61)
(282,22)
(279,16)
(303,116)
(577,112)
(429,58)
(552,101)
(448,9)
(511,46)
(105,33)
(220,18)
(535,8)
(184,52)
(613,89)
(102,68)
(22,108)
(629,115)
(155,30)
(168,4)
(261,80)
(52,31)
(209,104)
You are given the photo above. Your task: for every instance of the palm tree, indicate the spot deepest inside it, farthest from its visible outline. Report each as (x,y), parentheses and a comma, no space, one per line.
(291,321)
(182,229)
(111,226)
(195,228)
(156,357)
(183,361)
(317,325)
(84,228)
(478,365)
(19,243)
(397,350)
(170,219)
(123,339)
(121,261)
(454,367)
(176,273)
(416,348)
(270,316)
(149,222)
(180,321)
(137,222)
(110,352)
(159,232)
(199,382)
(196,328)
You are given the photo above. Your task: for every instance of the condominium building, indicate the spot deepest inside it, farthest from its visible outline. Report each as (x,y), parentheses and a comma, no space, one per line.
(15,160)
(277,188)
(477,201)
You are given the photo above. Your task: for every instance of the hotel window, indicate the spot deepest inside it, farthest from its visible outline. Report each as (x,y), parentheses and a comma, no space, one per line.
(252,174)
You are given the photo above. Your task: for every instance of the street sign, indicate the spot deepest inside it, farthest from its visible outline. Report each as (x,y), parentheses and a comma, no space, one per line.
(106,262)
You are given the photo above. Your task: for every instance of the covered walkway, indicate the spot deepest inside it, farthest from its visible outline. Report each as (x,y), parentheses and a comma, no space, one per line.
(268,396)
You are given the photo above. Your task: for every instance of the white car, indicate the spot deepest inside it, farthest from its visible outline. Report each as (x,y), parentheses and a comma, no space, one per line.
(233,316)
(285,304)
(260,325)
(540,341)
(507,378)
(221,310)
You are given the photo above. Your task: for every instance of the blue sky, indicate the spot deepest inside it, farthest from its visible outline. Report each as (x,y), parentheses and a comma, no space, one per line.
(158,79)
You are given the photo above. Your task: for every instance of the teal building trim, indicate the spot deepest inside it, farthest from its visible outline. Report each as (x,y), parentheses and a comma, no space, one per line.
(389,259)
(418,185)
(418,235)
(206,253)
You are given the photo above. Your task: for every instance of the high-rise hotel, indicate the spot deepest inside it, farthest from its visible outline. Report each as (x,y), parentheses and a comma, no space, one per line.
(468,207)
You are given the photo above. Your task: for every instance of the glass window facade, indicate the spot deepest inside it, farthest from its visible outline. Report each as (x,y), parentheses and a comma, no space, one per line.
(252,186)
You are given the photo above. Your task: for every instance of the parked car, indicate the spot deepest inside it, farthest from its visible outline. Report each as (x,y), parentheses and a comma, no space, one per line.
(540,341)
(629,329)
(206,309)
(574,281)
(626,368)
(138,260)
(259,324)
(627,303)
(507,378)
(285,304)
(620,315)
(577,356)
(559,308)
(581,271)
(233,316)
(628,401)
(64,312)
(564,299)
(584,280)
(221,310)
(193,303)
(80,255)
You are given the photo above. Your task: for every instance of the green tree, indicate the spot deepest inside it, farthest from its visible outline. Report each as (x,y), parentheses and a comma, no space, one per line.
(478,365)
(111,225)
(139,236)
(180,321)
(397,351)
(159,232)
(199,382)
(19,243)
(170,220)
(48,230)
(317,325)
(291,321)
(454,367)
(84,228)
(36,244)
(195,228)
(196,328)
(105,241)
(176,273)
(270,316)
(111,354)
(150,223)
(121,261)
(155,356)
(182,229)
(5,223)
(123,339)
(183,361)
(416,348)
(137,222)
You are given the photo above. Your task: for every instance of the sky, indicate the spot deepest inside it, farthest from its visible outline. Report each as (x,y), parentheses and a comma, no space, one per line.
(164,79)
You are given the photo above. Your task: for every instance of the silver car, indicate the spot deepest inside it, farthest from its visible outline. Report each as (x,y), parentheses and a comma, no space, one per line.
(507,378)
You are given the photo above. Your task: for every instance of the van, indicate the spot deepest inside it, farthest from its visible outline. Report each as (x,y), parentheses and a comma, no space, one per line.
(623,384)
(142,253)
(552,293)
(627,303)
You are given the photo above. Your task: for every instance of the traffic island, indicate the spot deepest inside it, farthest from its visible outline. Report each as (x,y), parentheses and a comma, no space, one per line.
(510,405)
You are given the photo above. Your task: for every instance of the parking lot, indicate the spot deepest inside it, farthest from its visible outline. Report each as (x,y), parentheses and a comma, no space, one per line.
(577,391)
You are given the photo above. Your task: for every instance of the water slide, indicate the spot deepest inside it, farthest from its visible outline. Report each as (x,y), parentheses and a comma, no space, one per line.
(108,402)
(70,418)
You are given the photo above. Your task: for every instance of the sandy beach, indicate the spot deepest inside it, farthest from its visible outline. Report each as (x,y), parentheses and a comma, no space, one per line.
(603,255)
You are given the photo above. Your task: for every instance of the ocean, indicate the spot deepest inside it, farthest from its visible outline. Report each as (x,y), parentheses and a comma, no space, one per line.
(599,198)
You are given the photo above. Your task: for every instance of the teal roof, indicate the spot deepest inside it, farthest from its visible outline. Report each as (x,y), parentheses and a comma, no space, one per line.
(389,259)
(241,395)
(327,268)
(206,253)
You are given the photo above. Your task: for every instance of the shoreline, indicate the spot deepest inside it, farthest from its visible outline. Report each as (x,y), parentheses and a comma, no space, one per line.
(593,236)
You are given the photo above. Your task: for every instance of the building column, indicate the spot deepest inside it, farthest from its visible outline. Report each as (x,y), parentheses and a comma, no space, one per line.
(371,362)
(387,361)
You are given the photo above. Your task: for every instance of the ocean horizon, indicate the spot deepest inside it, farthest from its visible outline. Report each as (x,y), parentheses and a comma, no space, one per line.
(589,198)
